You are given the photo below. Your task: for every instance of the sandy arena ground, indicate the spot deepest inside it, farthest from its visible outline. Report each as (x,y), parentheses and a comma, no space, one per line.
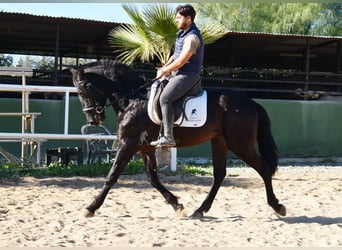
(49,211)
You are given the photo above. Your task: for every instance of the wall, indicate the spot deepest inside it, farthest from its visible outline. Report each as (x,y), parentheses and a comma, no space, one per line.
(306,128)
(300,128)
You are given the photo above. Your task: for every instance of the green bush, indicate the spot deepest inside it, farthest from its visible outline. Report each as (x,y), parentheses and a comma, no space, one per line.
(99,169)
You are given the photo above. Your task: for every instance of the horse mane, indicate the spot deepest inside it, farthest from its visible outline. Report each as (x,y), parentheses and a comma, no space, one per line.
(116,71)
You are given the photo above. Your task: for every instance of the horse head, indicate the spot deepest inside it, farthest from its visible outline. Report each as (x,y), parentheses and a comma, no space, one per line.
(104,80)
(93,99)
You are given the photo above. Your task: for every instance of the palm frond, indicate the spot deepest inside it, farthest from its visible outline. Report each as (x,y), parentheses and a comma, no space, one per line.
(160,19)
(138,19)
(130,44)
(133,12)
(212,31)
(153,34)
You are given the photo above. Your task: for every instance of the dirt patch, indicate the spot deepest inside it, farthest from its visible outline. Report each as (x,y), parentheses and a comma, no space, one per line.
(49,211)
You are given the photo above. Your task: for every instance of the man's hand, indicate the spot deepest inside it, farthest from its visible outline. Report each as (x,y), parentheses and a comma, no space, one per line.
(160,73)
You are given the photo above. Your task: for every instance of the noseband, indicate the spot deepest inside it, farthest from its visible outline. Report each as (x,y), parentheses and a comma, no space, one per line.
(98,108)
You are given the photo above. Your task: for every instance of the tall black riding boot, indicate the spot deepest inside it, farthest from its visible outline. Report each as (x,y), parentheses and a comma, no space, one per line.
(167,140)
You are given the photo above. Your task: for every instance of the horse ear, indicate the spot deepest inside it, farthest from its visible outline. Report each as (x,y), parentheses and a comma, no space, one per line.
(73,71)
(80,73)
(77,73)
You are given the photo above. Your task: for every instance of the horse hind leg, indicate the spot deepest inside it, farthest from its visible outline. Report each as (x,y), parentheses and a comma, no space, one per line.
(262,168)
(219,154)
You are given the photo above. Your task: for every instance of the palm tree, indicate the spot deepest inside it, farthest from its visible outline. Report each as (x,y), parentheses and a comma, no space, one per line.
(153,34)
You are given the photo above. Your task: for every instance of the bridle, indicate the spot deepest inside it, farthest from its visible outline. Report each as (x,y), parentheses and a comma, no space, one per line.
(101,108)
(97,107)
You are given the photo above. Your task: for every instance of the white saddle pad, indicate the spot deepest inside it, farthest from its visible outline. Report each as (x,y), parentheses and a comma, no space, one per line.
(194,112)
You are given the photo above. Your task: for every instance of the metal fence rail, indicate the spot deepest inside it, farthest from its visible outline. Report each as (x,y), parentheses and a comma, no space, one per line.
(26,136)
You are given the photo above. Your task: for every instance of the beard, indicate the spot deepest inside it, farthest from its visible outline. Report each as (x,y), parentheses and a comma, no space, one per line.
(182,26)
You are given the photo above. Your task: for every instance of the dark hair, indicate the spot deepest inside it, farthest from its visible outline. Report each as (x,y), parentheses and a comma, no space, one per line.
(186,10)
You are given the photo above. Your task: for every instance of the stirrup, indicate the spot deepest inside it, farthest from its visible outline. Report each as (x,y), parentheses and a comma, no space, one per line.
(164,142)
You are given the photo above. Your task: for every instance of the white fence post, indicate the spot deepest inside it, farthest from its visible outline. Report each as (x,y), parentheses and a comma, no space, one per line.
(173,166)
(66,113)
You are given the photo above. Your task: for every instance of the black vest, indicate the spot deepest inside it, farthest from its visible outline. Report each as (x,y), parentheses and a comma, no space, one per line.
(196,61)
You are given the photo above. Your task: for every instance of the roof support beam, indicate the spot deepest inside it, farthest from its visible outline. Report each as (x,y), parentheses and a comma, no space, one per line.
(338,56)
(307,64)
(57,53)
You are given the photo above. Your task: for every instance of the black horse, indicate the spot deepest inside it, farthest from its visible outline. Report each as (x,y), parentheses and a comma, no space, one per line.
(234,122)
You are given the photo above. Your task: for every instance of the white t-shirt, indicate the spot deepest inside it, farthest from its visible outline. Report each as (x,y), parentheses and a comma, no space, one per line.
(191,43)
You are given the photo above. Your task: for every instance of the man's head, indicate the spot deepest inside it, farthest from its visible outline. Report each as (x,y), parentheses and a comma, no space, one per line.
(185,15)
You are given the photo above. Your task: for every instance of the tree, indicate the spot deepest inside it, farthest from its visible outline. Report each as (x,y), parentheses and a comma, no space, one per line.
(153,34)
(329,21)
(43,63)
(6,60)
(48,63)
(290,18)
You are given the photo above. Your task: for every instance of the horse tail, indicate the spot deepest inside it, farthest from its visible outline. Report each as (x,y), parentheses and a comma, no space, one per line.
(267,146)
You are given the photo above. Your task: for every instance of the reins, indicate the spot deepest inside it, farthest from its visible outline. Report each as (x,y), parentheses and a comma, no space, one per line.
(134,91)
(99,109)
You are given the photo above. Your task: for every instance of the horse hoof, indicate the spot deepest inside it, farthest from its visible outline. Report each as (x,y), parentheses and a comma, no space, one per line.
(180,211)
(196,215)
(281,210)
(88,214)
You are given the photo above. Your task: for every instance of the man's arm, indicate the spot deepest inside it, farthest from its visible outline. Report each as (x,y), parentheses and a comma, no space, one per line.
(169,61)
(190,46)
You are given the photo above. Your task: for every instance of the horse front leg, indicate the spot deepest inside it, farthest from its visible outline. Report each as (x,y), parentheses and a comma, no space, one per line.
(219,153)
(122,158)
(151,166)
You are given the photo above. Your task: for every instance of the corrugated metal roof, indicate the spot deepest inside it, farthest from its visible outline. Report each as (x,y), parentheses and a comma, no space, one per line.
(248,33)
(37,35)
(54,18)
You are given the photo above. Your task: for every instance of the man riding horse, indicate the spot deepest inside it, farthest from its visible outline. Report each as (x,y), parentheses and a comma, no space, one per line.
(183,67)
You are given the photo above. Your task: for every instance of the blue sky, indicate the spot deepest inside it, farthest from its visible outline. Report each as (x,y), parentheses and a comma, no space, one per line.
(112,12)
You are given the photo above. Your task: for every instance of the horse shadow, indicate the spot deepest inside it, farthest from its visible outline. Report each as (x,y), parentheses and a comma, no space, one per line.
(322,220)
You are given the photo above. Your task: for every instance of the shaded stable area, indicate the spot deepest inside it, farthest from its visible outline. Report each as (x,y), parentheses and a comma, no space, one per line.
(262,65)
(276,66)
